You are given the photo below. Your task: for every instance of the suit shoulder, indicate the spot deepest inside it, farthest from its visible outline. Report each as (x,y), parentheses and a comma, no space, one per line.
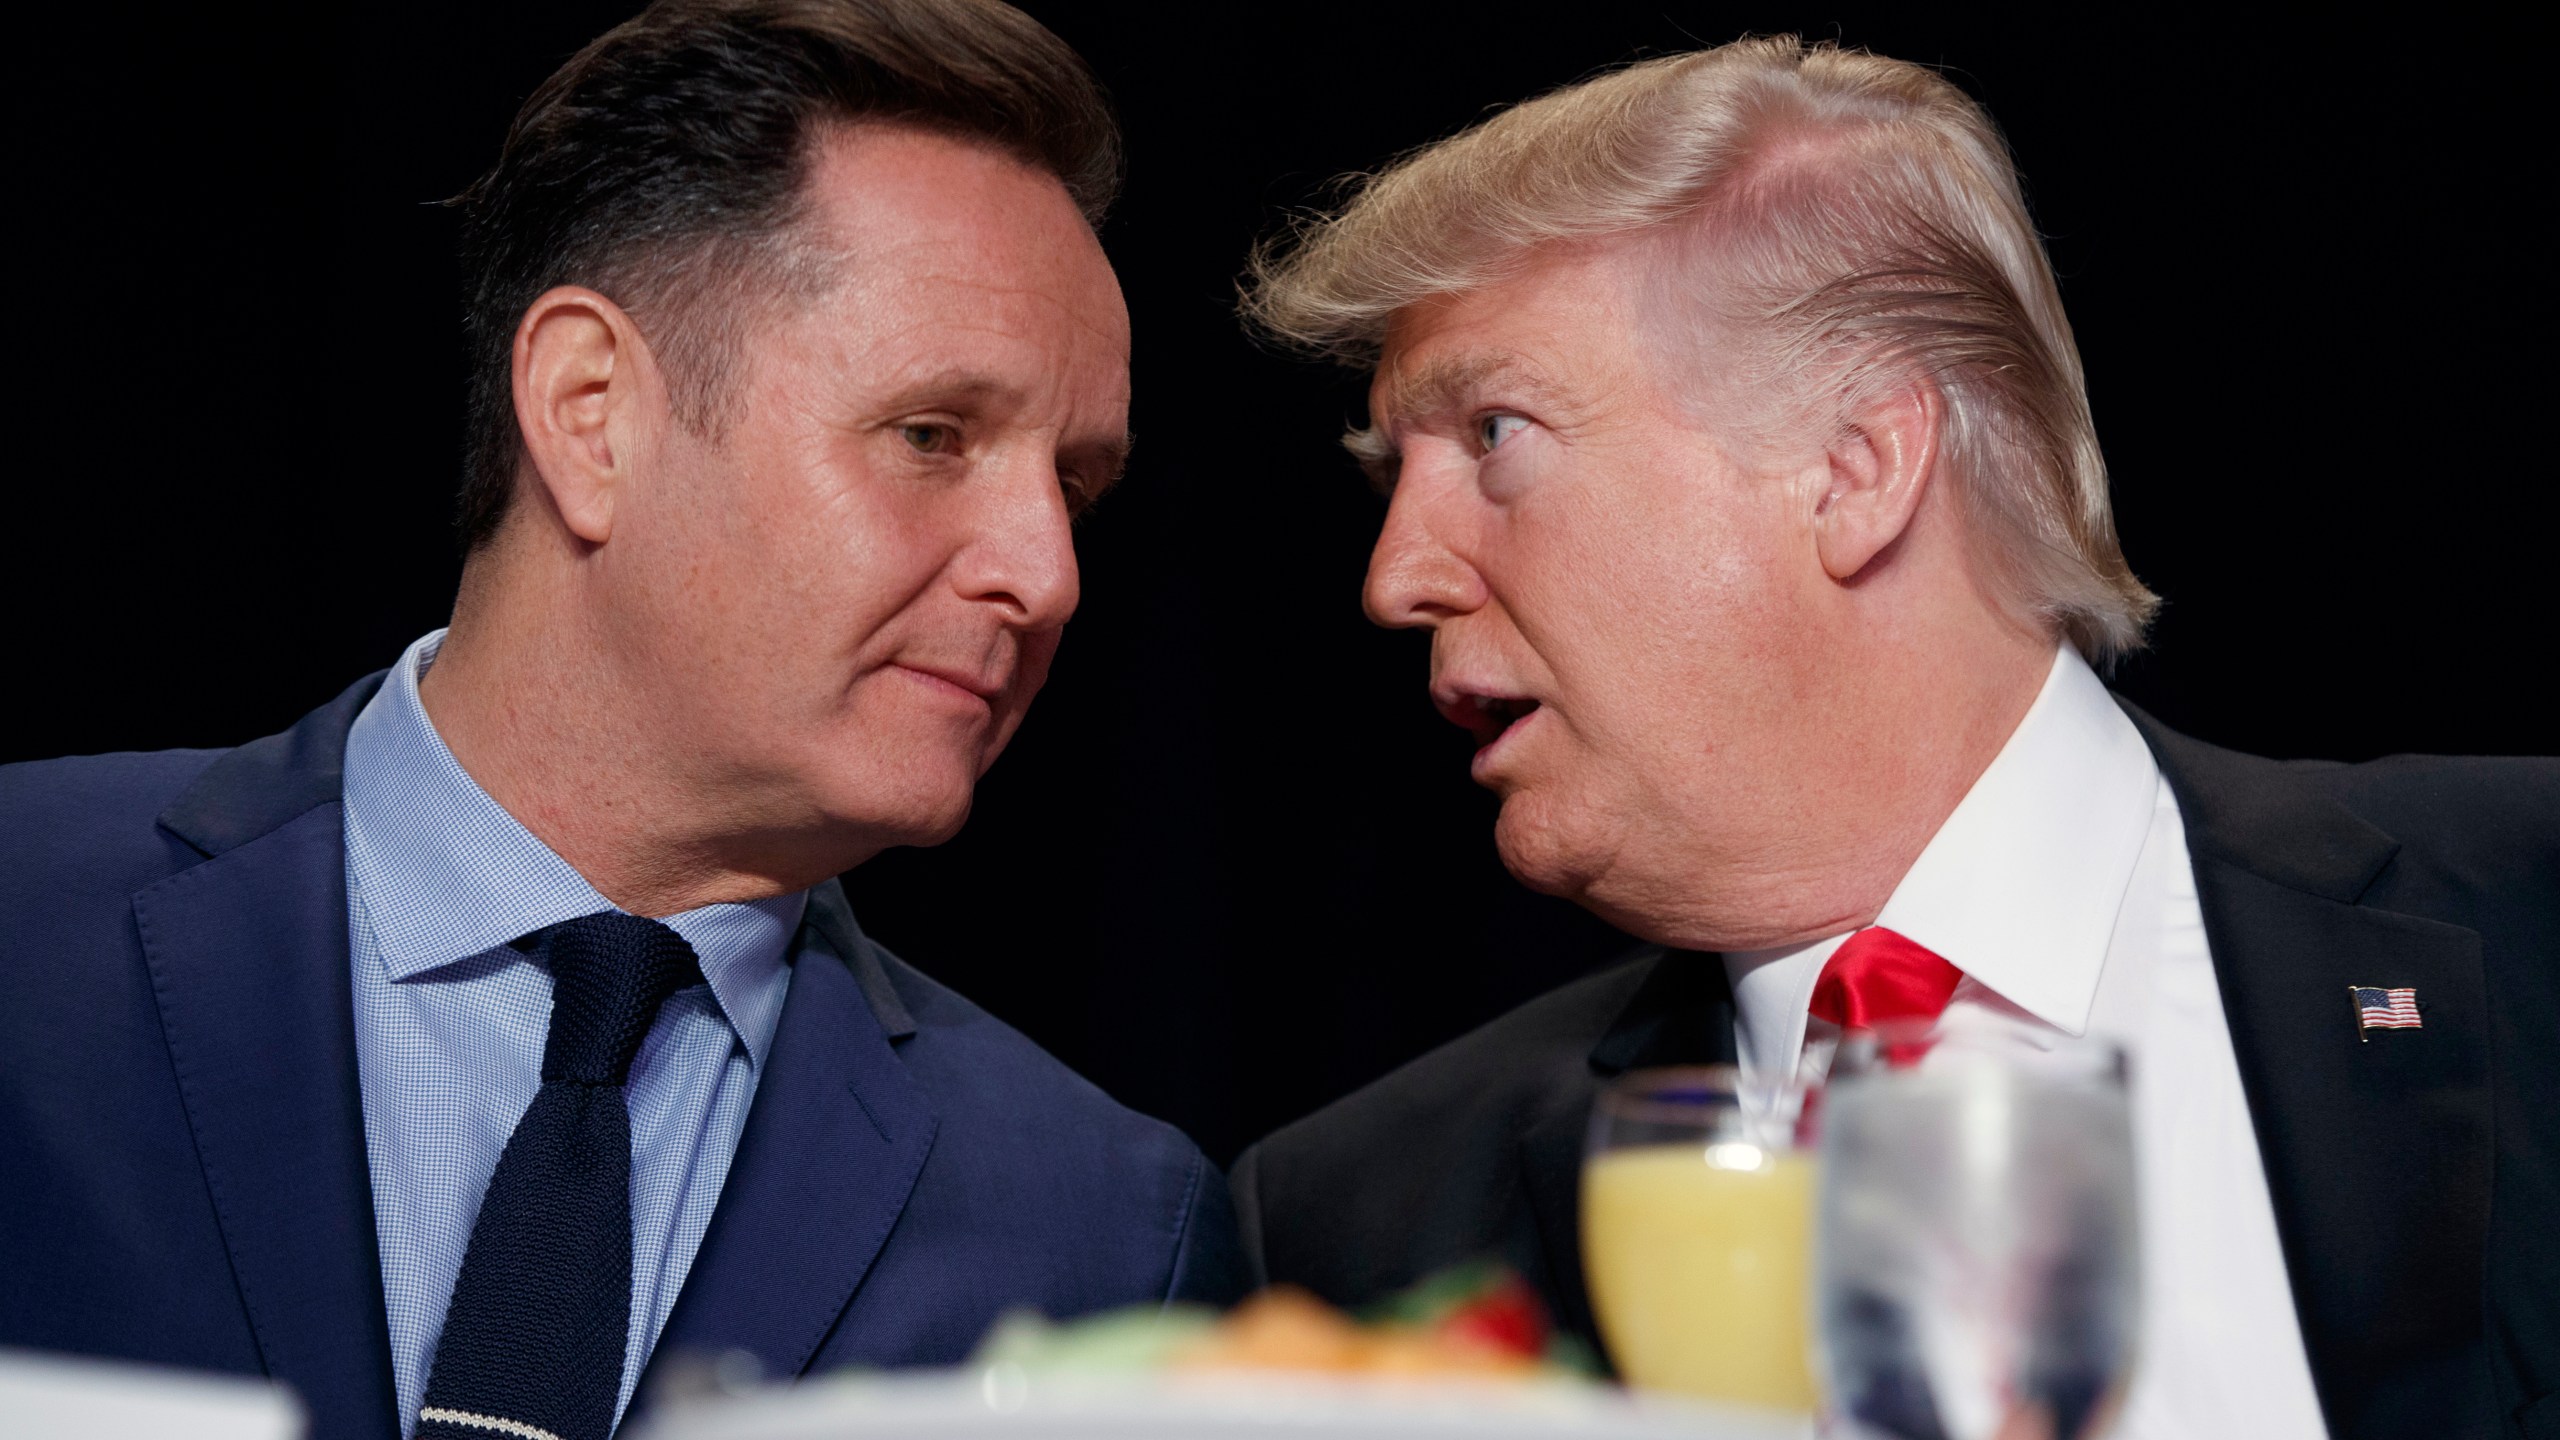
(92,819)
(2471,831)
(972,1060)
(2499,799)
(128,781)
(2476,826)
(2496,801)
(1485,1082)
(1020,1134)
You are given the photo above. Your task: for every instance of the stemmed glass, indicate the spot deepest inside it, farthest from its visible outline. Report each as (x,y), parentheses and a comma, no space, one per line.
(1697,1213)
(1977,1274)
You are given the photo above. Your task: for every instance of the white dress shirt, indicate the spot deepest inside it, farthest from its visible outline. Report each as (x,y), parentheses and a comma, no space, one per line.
(2061,887)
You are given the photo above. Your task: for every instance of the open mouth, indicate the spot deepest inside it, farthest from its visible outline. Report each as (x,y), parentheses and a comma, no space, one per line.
(1487,717)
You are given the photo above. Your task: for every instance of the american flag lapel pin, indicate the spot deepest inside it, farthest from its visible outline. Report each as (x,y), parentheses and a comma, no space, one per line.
(2378,1008)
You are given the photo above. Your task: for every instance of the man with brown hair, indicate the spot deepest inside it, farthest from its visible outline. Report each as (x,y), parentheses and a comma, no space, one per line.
(500,1030)
(1742,474)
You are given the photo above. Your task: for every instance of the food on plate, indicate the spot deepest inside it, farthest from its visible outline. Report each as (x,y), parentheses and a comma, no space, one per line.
(1478,1321)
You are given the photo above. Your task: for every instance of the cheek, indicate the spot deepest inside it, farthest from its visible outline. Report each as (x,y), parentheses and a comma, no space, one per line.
(1607,572)
(750,515)
(692,557)
(847,553)
(1665,595)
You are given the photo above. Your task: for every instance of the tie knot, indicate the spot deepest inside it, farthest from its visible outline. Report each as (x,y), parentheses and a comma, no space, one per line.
(609,974)
(1878,976)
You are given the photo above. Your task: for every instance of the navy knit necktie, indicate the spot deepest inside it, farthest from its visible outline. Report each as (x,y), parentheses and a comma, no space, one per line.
(533,1341)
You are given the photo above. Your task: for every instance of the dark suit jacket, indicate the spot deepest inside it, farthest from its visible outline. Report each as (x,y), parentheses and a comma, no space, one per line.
(2416,1179)
(182,1154)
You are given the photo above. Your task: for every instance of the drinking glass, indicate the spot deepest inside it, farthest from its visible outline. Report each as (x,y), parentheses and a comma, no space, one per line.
(1976,1271)
(1697,1215)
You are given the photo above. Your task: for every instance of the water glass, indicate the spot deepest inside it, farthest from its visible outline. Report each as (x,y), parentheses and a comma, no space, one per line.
(1976,1273)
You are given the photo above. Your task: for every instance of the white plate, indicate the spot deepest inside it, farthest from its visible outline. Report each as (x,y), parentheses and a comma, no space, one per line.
(1003,1403)
(59,1397)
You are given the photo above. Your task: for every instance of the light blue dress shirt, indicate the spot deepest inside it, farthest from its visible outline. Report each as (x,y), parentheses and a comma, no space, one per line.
(450,1023)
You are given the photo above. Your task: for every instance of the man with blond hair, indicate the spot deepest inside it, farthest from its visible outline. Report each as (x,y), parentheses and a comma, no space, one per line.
(1743,475)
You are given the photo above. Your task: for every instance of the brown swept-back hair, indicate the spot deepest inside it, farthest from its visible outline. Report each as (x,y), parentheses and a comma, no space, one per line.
(664,166)
(1844,222)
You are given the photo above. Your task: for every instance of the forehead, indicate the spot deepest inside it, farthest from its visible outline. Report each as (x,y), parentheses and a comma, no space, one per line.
(950,240)
(1564,324)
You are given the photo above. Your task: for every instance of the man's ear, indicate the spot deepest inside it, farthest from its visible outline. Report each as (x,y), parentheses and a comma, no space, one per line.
(587,399)
(1881,463)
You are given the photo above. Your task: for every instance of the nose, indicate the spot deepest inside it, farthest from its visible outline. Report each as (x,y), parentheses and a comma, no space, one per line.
(1023,560)
(1415,579)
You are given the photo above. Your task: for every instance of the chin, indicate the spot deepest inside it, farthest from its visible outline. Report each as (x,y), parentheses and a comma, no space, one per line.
(1581,856)
(929,820)
(914,804)
(1541,851)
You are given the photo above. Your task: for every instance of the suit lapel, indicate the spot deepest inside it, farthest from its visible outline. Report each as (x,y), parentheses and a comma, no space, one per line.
(249,965)
(833,1145)
(1551,1176)
(1682,1014)
(2377,1147)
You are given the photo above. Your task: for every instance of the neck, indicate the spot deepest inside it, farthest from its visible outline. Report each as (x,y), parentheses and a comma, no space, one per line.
(1914,715)
(528,694)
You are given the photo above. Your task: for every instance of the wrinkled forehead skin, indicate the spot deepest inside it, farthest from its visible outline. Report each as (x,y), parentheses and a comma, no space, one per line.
(1572,328)
(956,277)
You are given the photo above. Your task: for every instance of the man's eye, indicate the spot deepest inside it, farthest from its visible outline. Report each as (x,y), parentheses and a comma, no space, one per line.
(931,439)
(1492,430)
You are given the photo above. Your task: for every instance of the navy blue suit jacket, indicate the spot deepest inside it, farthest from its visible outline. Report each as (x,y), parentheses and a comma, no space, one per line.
(182,1154)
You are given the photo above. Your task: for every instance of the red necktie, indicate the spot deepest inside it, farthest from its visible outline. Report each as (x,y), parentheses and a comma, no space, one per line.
(1876,976)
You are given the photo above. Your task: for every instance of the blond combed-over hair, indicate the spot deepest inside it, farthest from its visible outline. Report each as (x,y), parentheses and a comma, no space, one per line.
(1850,223)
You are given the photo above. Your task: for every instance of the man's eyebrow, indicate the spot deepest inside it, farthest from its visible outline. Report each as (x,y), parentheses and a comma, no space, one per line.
(948,385)
(1443,380)
(1439,383)
(1106,460)
(1377,456)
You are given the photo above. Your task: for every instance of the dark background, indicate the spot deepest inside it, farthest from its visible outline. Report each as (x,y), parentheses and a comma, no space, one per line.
(1234,867)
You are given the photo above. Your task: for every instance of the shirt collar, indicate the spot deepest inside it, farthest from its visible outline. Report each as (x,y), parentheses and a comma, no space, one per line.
(1772,993)
(445,873)
(2020,887)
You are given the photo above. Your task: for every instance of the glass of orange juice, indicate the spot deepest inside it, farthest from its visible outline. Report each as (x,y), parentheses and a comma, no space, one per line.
(1697,1222)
